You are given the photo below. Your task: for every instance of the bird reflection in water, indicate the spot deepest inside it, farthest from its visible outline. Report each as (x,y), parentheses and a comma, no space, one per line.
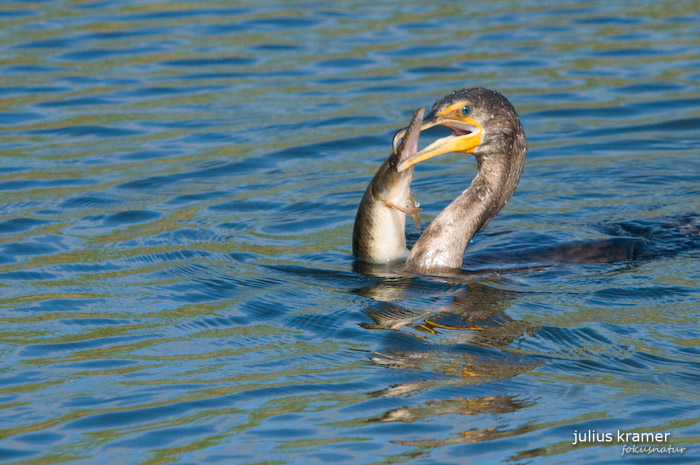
(464,337)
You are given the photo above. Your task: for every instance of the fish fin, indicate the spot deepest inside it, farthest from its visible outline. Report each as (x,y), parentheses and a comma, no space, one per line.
(416,218)
(413,211)
(416,213)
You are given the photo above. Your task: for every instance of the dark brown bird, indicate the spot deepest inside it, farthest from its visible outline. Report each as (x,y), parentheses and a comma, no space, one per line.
(485,124)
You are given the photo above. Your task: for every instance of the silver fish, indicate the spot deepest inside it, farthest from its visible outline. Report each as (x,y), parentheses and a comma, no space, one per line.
(379,235)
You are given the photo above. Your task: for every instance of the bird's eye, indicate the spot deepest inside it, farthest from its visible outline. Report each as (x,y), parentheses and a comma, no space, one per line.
(466,109)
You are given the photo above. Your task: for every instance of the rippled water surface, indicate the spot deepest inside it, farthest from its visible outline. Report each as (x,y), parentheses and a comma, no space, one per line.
(178,184)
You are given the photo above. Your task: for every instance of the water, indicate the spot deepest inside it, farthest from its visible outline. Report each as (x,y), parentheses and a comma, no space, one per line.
(178,185)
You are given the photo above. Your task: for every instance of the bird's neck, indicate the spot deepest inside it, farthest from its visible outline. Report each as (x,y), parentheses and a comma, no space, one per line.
(443,243)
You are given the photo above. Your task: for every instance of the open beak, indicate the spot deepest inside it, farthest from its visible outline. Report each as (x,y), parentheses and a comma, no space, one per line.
(465,137)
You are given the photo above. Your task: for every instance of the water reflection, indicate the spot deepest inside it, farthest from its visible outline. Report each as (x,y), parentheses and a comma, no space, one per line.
(459,406)
(460,337)
(471,436)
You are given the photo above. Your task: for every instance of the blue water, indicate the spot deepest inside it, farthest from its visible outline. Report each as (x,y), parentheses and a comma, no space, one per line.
(178,184)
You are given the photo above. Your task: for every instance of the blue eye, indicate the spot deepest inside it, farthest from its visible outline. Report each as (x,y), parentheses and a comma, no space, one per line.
(466,109)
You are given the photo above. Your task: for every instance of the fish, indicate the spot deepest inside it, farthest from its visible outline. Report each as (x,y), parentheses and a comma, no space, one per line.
(379,234)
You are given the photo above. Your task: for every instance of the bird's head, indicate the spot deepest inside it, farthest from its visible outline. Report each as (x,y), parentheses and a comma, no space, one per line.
(481,121)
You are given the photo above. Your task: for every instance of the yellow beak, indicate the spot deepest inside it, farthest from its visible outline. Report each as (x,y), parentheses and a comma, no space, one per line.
(465,137)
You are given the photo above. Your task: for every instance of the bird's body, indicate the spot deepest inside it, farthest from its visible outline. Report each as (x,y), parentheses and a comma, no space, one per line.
(484,123)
